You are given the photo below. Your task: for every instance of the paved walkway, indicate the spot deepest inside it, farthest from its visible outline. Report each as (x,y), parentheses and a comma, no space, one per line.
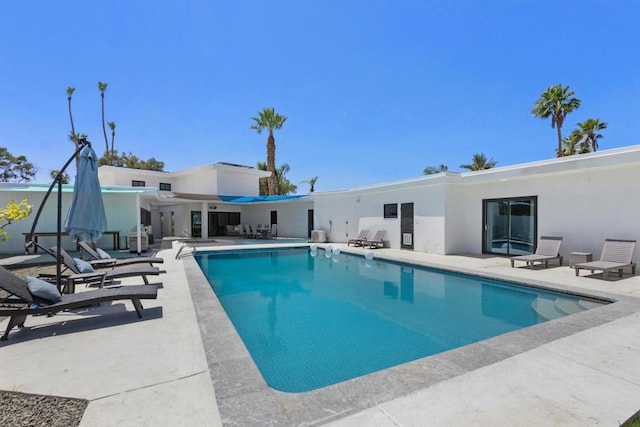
(153,371)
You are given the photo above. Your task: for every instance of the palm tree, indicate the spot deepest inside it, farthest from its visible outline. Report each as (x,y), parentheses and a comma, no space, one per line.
(102,87)
(479,163)
(282,185)
(269,119)
(73,136)
(588,131)
(556,102)
(112,126)
(430,170)
(312,183)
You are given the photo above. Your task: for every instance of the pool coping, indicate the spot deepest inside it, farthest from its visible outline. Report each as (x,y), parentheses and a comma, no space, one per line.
(244,398)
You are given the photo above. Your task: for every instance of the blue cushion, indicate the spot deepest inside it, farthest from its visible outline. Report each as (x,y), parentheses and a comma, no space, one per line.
(103,254)
(83,266)
(42,289)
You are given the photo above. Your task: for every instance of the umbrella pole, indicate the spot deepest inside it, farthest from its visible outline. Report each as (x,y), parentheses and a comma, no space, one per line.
(57,180)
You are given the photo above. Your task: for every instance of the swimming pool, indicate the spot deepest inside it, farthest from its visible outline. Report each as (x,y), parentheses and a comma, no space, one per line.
(311,321)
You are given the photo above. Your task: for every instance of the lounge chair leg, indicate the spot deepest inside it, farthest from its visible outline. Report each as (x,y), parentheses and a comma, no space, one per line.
(511,262)
(144,277)
(138,306)
(577,270)
(14,321)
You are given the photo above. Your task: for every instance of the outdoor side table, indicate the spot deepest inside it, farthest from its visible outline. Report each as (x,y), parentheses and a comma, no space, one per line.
(579,258)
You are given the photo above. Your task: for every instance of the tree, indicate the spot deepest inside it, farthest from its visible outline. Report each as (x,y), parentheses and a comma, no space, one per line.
(556,102)
(64,179)
(589,133)
(112,126)
(131,161)
(73,137)
(102,87)
(13,212)
(269,119)
(282,185)
(15,168)
(430,170)
(479,163)
(312,184)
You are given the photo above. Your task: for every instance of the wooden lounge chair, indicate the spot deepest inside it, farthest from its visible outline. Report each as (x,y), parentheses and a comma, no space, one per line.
(99,262)
(616,255)
(360,238)
(100,276)
(548,249)
(377,241)
(23,303)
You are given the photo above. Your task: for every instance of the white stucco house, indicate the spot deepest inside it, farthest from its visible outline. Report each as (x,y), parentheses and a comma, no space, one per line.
(583,198)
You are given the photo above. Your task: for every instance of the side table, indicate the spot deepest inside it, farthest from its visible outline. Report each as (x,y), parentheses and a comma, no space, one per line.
(579,258)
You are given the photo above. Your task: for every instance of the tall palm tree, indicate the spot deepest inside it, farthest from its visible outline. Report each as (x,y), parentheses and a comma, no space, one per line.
(269,119)
(73,137)
(556,102)
(112,126)
(312,184)
(589,131)
(480,162)
(102,87)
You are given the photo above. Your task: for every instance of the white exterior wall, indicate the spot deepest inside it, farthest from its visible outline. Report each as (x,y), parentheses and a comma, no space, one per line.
(232,183)
(123,177)
(584,206)
(120,210)
(204,182)
(292,216)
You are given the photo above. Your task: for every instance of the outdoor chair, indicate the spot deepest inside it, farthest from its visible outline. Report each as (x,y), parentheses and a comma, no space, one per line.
(359,239)
(377,241)
(616,255)
(21,302)
(548,249)
(102,259)
(88,275)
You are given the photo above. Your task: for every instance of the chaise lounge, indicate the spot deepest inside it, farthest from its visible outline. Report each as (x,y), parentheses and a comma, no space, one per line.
(83,272)
(616,255)
(23,302)
(548,249)
(359,239)
(377,241)
(102,259)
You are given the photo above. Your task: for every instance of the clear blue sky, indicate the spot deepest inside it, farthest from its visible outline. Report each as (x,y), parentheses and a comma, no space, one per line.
(374,90)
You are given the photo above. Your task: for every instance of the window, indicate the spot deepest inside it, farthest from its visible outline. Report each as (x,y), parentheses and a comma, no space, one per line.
(391,210)
(136,183)
(165,187)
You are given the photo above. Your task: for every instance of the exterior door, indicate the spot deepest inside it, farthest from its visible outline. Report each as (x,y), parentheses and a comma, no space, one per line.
(406,226)
(196,224)
(510,225)
(309,222)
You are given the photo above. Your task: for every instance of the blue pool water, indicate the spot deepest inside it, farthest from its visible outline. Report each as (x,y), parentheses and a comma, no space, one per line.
(311,321)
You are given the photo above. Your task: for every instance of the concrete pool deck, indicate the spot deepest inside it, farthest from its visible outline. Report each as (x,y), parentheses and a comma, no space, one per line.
(172,366)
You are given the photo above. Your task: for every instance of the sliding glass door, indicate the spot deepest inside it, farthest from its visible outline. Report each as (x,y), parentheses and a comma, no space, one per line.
(510,225)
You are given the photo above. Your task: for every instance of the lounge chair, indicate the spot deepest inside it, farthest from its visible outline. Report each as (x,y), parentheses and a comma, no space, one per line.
(23,303)
(100,261)
(360,238)
(548,249)
(377,241)
(616,255)
(99,276)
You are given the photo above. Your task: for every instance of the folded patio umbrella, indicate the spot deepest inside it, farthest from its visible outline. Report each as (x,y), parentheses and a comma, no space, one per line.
(86,219)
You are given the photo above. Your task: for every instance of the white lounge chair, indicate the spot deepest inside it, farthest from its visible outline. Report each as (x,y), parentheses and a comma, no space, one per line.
(377,241)
(360,238)
(548,249)
(616,255)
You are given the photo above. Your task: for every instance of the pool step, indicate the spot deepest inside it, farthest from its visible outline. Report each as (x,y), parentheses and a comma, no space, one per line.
(565,306)
(545,308)
(553,308)
(588,305)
